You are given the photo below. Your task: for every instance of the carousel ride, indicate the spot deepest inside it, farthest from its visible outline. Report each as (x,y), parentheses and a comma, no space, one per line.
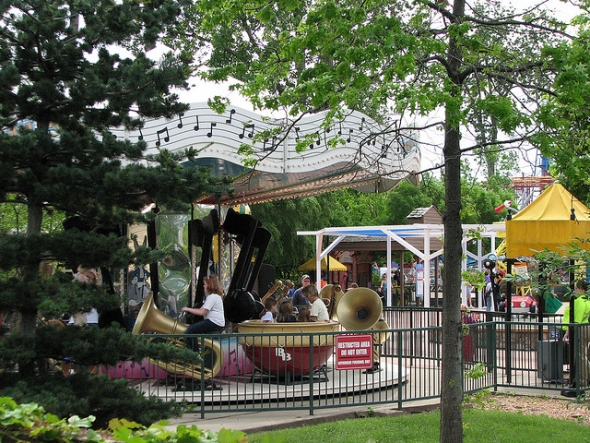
(282,350)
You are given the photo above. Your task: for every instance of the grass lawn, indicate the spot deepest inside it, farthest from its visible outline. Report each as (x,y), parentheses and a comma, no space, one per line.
(478,427)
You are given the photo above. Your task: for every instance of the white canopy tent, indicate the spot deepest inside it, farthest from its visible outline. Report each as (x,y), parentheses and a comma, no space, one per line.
(400,234)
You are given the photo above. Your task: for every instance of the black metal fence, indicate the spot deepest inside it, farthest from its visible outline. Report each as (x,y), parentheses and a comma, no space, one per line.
(310,371)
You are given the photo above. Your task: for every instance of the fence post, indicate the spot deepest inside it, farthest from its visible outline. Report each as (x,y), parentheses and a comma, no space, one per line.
(398,338)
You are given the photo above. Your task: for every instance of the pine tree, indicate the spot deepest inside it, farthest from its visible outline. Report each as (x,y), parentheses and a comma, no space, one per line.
(69,72)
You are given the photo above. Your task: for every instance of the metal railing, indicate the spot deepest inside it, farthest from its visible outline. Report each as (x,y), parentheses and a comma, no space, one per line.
(524,354)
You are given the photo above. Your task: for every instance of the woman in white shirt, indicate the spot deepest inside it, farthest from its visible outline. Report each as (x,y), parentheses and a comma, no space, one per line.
(212,310)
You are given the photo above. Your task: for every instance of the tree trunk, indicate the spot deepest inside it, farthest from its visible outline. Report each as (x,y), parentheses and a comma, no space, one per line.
(451,416)
(31,273)
(451,429)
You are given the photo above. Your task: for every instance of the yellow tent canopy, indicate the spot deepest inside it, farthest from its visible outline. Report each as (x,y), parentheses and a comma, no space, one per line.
(330,264)
(546,224)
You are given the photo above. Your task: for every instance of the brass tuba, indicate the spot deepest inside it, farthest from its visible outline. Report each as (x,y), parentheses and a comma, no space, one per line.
(151,320)
(331,295)
(360,308)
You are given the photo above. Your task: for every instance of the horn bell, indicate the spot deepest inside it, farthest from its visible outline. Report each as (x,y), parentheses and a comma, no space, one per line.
(151,320)
(331,295)
(381,337)
(359,308)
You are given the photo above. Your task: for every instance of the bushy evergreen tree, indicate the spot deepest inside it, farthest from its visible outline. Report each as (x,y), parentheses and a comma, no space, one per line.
(70,71)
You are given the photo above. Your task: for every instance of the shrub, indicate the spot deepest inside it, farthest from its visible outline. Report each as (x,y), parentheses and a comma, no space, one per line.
(30,422)
(84,394)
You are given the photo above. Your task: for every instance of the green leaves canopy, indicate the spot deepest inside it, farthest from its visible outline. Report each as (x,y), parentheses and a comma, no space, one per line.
(69,72)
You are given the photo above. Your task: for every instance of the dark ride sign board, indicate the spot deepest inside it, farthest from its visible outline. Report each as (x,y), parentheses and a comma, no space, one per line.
(354,351)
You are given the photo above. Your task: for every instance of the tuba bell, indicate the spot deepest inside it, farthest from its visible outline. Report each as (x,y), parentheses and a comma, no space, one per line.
(381,337)
(151,320)
(359,308)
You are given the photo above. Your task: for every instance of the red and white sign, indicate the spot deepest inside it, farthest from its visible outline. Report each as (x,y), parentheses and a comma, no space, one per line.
(354,351)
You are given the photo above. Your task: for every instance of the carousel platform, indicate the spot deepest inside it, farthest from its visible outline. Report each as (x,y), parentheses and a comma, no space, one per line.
(256,388)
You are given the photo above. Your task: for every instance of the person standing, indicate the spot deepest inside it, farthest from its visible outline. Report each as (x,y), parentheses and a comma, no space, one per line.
(468,341)
(581,316)
(489,293)
(298,298)
(383,288)
(318,310)
(212,311)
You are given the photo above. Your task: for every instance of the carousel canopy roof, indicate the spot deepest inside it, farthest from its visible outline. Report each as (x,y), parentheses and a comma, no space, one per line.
(354,152)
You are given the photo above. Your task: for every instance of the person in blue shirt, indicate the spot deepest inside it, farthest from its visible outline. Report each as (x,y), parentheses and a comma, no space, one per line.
(298,298)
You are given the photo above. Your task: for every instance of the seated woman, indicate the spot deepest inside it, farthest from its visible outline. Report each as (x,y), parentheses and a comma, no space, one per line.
(212,310)
(285,314)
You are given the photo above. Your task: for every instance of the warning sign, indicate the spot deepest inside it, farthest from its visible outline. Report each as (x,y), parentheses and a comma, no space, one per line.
(354,351)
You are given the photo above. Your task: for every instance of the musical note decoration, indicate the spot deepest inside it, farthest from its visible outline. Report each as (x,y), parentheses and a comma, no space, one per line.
(317,142)
(162,131)
(352,131)
(307,145)
(231,116)
(210,133)
(272,144)
(250,134)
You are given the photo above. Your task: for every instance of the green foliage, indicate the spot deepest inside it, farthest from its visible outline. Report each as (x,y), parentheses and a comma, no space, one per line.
(564,138)
(474,278)
(65,83)
(30,422)
(349,207)
(86,394)
(375,280)
(479,399)
(13,219)
(478,371)
(83,393)
(547,268)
